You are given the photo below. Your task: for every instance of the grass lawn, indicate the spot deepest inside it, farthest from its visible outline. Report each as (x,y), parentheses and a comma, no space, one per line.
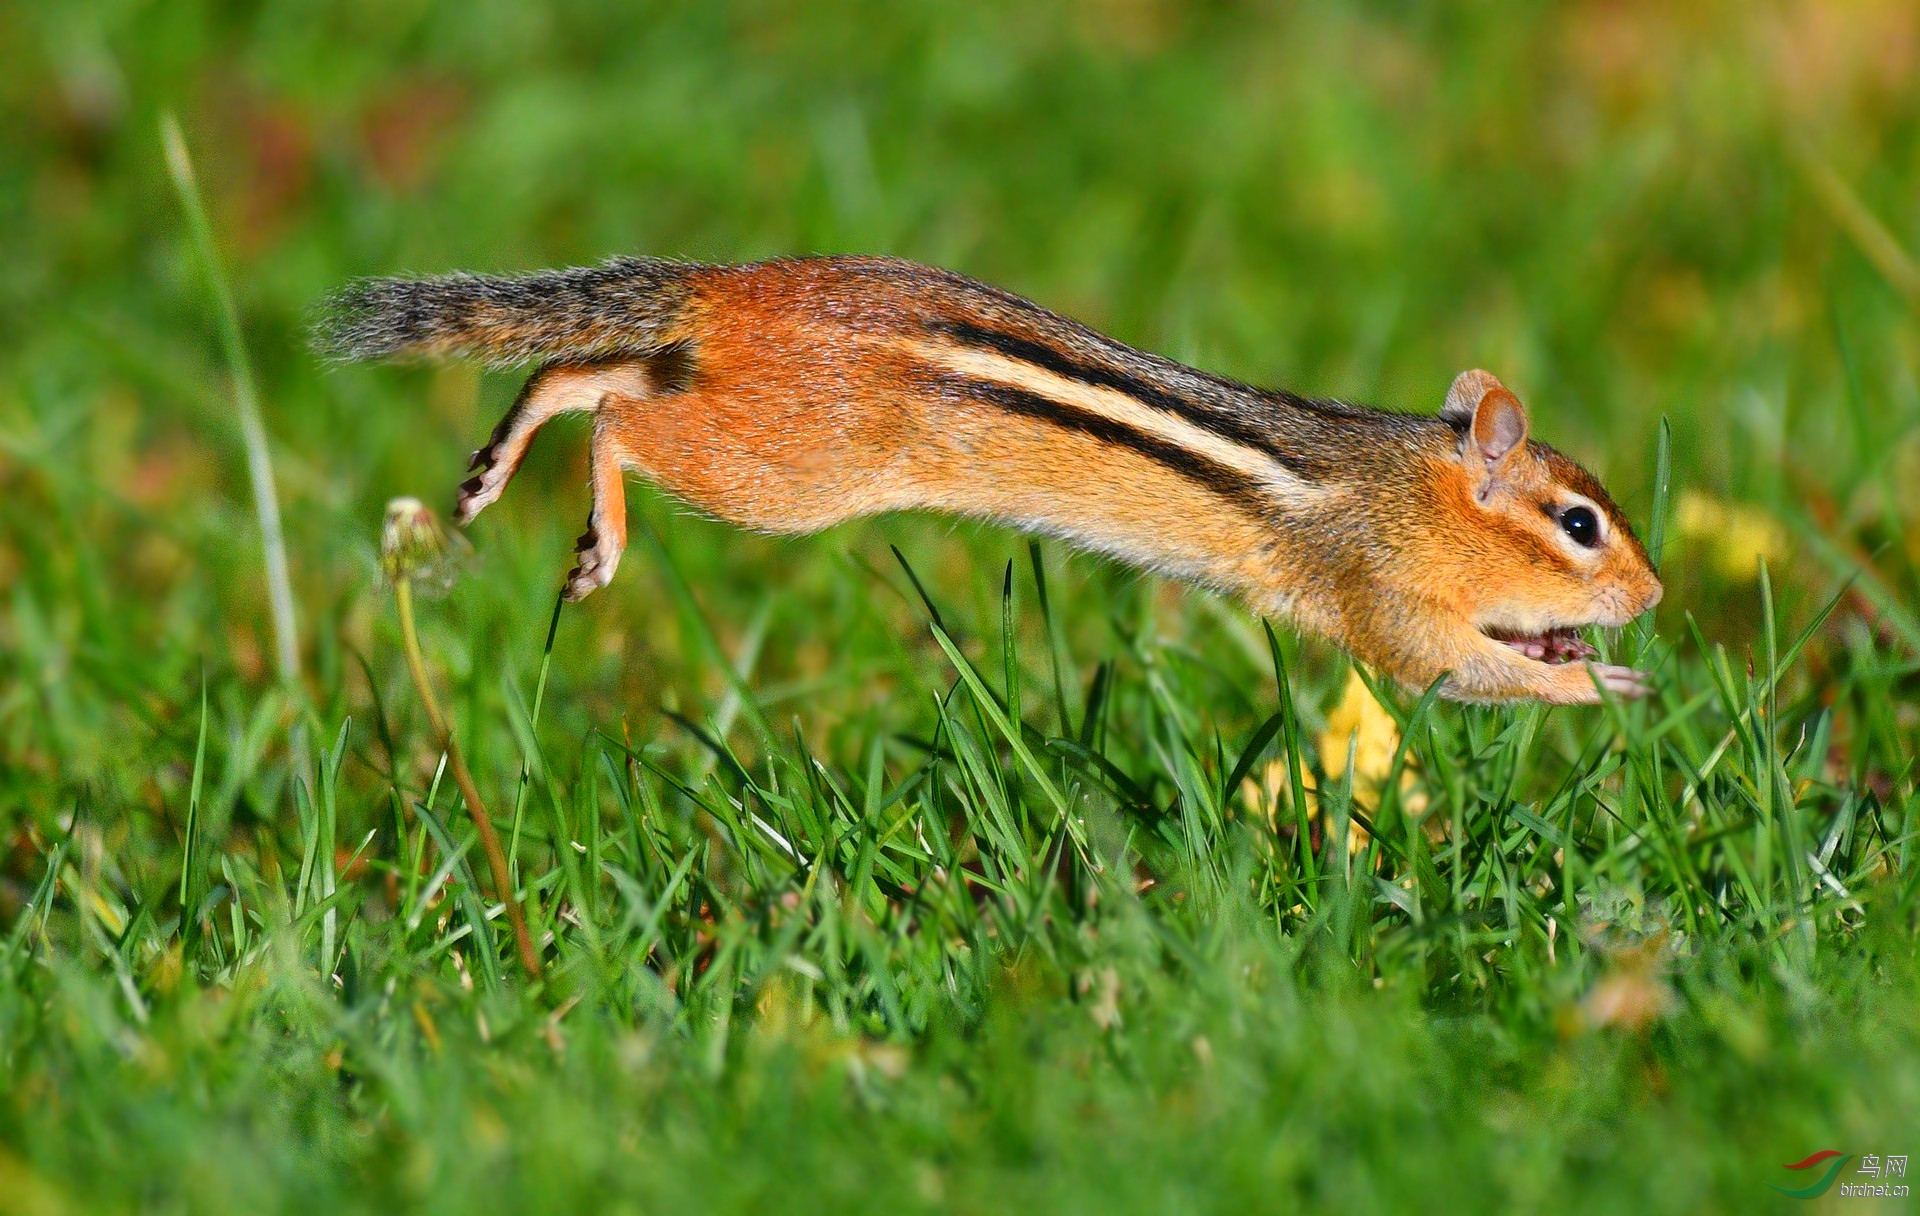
(915,866)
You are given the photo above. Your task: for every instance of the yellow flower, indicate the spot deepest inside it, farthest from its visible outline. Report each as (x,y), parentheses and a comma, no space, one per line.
(1739,535)
(1632,992)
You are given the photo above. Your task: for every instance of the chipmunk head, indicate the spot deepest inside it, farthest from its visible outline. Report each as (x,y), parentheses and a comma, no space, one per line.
(1543,548)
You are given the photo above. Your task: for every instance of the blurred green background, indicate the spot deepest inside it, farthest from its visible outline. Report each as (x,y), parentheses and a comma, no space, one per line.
(1705,212)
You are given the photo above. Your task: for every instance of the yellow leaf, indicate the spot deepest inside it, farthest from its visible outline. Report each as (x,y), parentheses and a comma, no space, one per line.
(1360,724)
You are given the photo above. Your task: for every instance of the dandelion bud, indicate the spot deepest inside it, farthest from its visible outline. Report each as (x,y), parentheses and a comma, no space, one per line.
(415,549)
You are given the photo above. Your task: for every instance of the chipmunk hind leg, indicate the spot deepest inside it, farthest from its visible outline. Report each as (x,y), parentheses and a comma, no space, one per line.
(553,390)
(600,546)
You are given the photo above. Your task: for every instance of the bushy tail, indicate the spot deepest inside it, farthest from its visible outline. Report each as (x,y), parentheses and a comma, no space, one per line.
(623,307)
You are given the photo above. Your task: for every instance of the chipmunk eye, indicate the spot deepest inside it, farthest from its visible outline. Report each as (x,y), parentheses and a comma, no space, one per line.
(1582,525)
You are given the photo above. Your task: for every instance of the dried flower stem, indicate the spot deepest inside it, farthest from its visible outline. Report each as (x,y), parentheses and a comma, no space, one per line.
(489,839)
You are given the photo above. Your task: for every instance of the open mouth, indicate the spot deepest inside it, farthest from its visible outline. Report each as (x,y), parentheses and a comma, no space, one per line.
(1562,646)
(1555,646)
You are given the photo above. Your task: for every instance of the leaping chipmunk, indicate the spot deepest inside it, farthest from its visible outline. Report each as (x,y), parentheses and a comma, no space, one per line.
(790,395)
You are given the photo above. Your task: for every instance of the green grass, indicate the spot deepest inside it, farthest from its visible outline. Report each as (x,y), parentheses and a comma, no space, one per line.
(913,866)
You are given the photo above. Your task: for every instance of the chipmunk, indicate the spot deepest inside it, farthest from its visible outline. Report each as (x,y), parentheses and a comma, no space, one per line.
(789,395)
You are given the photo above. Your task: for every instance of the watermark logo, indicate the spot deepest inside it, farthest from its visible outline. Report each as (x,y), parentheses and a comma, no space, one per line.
(1830,1162)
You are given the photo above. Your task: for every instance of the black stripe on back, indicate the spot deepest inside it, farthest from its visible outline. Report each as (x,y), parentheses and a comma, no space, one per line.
(1160,398)
(1231,484)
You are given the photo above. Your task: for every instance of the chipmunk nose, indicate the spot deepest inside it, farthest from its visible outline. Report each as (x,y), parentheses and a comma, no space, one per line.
(1652,593)
(1620,603)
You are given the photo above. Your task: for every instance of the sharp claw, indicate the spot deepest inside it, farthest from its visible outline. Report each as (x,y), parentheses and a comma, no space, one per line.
(480,457)
(1622,682)
(584,580)
(467,503)
(479,492)
(594,568)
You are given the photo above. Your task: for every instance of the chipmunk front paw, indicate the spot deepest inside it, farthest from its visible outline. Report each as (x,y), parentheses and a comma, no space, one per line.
(479,492)
(1623,682)
(1582,682)
(598,557)
(1557,667)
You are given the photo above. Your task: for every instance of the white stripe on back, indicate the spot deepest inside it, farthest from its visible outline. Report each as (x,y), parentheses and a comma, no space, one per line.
(1121,407)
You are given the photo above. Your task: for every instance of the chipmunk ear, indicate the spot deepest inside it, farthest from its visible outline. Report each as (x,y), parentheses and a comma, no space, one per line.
(1494,419)
(1465,394)
(1499,425)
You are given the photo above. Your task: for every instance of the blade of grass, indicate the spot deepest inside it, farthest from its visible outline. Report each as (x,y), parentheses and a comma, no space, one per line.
(246,401)
(1296,769)
(683,595)
(188,894)
(526,764)
(1868,233)
(983,698)
(1056,638)
(484,948)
